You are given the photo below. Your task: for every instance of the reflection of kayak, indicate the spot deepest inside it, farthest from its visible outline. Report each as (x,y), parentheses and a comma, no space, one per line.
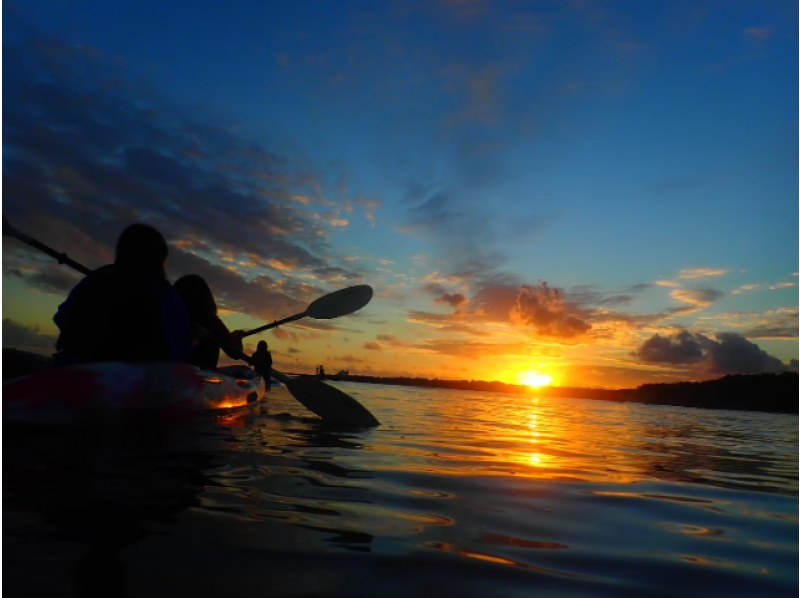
(73,393)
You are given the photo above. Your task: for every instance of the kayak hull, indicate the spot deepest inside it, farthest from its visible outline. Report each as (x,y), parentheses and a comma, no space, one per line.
(77,392)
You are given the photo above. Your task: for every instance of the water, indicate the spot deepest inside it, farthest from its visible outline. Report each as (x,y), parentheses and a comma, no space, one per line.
(457,494)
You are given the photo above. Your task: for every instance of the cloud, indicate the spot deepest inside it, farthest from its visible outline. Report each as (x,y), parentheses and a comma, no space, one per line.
(27,338)
(695,273)
(471,241)
(730,353)
(745,288)
(587,295)
(285,335)
(750,287)
(370,206)
(695,299)
(734,354)
(442,296)
(779,323)
(463,235)
(782,285)
(472,350)
(48,277)
(545,310)
(87,152)
(452,299)
(682,348)
(495,298)
(502,299)
(449,323)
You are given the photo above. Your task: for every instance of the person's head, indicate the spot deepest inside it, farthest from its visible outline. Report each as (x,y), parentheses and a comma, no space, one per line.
(261,346)
(142,250)
(197,296)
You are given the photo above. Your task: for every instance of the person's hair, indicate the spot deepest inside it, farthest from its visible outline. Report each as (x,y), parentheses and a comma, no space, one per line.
(197,297)
(142,250)
(261,344)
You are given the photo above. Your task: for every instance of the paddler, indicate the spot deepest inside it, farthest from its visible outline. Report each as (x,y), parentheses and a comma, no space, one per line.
(125,311)
(261,360)
(208,330)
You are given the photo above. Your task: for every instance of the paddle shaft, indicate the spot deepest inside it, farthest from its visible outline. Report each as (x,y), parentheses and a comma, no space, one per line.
(276,323)
(62,258)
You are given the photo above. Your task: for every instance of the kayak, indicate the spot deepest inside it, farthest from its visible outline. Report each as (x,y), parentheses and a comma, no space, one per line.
(71,394)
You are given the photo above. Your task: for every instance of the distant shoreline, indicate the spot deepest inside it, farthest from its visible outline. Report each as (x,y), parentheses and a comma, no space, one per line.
(773,393)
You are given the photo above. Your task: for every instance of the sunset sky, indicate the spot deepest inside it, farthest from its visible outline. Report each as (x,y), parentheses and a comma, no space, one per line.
(602,192)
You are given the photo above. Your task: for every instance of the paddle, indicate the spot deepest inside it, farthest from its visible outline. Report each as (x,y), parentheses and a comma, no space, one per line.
(331,404)
(333,305)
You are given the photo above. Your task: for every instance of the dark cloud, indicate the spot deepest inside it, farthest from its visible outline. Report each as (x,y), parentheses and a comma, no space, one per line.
(545,310)
(730,353)
(734,354)
(87,152)
(681,348)
(454,300)
(27,338)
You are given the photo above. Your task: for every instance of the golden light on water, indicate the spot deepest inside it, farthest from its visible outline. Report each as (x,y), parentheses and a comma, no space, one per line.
(535,378)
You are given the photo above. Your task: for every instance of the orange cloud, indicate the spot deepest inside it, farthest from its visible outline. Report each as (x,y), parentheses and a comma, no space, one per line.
(695,273)
(695,299)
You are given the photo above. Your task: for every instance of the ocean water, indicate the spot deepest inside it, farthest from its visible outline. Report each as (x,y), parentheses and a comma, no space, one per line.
(457,493)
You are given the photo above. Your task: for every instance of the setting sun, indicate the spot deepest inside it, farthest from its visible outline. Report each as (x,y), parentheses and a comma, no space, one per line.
(535,378)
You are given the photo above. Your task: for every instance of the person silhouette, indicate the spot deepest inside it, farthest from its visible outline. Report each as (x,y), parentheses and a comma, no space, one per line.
(208,331)
(125,311)
(261,360)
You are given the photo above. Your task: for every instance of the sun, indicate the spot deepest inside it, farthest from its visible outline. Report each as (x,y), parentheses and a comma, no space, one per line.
(535,378)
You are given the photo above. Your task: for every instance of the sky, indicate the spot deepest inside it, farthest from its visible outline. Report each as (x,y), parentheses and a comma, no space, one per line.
(605,193)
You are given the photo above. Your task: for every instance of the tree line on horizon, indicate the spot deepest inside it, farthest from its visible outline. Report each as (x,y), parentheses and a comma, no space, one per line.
(776,393)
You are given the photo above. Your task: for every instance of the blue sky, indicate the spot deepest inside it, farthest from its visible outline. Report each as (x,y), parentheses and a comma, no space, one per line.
(526,185)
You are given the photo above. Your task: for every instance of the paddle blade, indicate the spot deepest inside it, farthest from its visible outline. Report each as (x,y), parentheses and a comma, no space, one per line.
(340,303)
(331,404)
